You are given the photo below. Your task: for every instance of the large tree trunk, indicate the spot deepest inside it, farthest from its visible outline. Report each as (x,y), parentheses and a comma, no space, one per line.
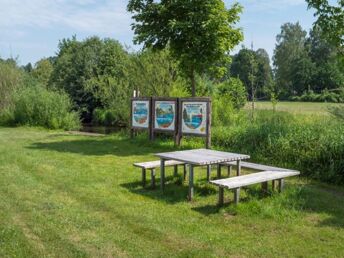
(193,82)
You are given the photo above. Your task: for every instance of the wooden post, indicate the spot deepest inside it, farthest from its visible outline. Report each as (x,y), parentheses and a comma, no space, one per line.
(273,185)
(153,178)
(143,177)
(208,172)
(221,196)
(236,195)
(229,170)
(208,138)
(175,170)
(265,187)
(191,186)
(162,174)
(184,174)
(238,168)
(218,171)
(281,185)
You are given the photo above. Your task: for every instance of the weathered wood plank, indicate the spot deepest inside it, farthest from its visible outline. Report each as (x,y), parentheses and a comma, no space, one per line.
(260,177)
(191,179)
(202,156)
(156,164)
(255,166)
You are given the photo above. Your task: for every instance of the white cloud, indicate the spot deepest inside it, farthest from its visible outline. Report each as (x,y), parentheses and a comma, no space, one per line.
(107,16)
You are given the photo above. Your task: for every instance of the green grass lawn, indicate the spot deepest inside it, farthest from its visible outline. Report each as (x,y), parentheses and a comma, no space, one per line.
(309,108)
(65,195)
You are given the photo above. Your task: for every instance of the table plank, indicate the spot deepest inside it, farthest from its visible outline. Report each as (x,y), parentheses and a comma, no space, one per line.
(202,156)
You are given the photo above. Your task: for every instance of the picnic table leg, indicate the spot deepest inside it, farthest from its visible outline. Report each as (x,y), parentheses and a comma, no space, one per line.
(208,172)
(236,195)
(238,168)
(162,174)
(184,176)
(191,186)
(221,196)
(273,185)
(175,170)
(229,171)
(153,178)
(265,187)
(143,177)
(281,185)
(218,171)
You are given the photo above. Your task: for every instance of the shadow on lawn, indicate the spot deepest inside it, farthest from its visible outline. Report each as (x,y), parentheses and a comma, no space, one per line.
(175,190)
(102,146)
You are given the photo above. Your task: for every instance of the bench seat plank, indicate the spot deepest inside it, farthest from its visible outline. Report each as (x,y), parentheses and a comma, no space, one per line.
(255,178)
(257,166)
(156,164)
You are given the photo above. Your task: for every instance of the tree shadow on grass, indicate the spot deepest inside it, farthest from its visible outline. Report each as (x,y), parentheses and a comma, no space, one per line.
(99,146)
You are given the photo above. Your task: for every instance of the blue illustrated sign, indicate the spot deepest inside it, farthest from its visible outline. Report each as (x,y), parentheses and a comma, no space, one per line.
(194,117)
(141,114)
(165,113)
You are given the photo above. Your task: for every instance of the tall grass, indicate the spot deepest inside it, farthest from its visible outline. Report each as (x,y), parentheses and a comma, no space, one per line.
(37,106)
(313,145)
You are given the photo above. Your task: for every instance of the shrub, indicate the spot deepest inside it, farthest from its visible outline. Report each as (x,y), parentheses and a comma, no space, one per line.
(38,106)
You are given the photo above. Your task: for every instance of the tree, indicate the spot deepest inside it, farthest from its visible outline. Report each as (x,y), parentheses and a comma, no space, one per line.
(330,18)
(42,71)
(254,70)
(199,33)
(290,55)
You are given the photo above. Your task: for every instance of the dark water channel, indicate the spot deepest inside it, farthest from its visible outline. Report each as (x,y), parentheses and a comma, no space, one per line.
(100,129)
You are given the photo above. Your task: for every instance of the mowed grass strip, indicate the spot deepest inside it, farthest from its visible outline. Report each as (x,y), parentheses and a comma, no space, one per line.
(299,108)
(79,196)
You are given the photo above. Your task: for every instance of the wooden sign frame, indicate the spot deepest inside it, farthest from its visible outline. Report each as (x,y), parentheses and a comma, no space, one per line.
(207,133)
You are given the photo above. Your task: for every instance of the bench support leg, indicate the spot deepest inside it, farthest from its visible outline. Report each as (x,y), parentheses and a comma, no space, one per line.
(162,174)
(236,195)
(191,186)
(229,171)
(265,187)
(208,172)
(153,178)
(221,196)
(218,171)
(143,177)
(175,170)
(184,175)
(273,185)
(238,168)
(281,185)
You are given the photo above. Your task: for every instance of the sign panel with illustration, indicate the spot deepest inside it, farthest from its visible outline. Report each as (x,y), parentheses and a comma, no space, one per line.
(165,115)
(140,113)
(194,117)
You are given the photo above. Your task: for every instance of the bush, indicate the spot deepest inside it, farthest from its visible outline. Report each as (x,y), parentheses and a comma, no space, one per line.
(38,106)
(324,96)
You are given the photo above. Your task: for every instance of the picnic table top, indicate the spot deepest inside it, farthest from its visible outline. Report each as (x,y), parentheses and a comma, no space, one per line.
(202,156)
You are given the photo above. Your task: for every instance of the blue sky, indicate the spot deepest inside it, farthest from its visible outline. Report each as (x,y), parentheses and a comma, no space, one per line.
(31,29)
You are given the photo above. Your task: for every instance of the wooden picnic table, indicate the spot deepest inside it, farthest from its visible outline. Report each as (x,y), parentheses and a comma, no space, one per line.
(198,157)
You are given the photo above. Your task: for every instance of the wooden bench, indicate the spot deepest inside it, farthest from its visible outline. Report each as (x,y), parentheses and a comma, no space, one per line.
(152,165)
(260,177)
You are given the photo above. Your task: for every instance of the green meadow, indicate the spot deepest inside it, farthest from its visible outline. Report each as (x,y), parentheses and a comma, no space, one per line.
(70,195)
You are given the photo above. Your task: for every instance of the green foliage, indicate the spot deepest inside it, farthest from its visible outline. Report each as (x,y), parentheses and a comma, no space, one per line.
(315,146)
(330,18)
(324,96)
(42,71)
(337,111)
(38,106)
(233,90)
(10,80)
(198,33)
(254,70)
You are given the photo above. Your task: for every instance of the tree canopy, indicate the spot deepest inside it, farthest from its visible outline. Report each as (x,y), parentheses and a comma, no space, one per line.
(199,33)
